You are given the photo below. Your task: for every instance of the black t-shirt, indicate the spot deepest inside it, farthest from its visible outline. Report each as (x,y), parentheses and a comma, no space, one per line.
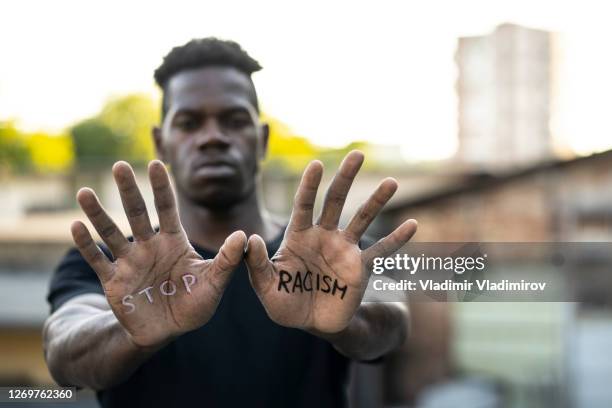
(240,358)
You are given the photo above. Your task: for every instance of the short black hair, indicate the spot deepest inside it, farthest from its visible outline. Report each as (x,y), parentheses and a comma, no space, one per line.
(204,52)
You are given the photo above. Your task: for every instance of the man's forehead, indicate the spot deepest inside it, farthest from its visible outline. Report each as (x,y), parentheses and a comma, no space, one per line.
(221,85)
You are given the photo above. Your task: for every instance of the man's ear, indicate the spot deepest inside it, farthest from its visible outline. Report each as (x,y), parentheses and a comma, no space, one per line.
(159,146)
(265,137)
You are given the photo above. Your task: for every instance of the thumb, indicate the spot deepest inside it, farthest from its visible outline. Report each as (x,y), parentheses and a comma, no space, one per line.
(229,256)
(258,263)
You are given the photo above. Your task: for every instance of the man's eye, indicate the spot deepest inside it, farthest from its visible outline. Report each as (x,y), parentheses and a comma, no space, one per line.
(187,124)
(237,122)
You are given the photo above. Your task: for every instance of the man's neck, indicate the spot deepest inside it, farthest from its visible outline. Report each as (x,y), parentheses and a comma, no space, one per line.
(209,227)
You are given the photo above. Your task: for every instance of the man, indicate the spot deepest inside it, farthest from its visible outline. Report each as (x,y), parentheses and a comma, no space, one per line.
(196,313)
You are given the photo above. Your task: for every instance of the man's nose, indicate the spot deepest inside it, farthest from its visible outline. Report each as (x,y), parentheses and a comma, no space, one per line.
(211,134)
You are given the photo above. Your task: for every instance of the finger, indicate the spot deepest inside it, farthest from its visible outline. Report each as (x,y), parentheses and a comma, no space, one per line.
(133,203)
(91,252)
(301,215)
(229,256)
(389,244)
(102,222)
(370,209)
(338,190)
(258,263)
(165,202)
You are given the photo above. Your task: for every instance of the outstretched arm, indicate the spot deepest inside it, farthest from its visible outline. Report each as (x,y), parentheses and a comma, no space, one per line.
(157,288)
(317,278)
(86,346)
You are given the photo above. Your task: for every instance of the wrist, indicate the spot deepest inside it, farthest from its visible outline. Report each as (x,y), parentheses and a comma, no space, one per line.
(347,336)
(146,347)
(139,344)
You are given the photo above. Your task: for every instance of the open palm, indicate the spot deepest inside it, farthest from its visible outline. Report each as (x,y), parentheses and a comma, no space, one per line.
(317,278)
(158,286)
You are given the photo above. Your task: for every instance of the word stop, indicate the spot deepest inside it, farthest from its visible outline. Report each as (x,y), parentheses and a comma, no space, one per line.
(166,288)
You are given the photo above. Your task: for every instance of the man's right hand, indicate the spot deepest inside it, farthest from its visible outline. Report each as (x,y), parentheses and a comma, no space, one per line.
(158,286)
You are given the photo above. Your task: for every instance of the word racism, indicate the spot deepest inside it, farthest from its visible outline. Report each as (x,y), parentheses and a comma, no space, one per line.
(413,264)
(166,288)
(304,283)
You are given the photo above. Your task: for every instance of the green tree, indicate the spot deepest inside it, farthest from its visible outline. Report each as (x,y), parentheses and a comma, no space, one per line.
(49,152)
(131,118)
(95,144)
(14,154)
(290,152)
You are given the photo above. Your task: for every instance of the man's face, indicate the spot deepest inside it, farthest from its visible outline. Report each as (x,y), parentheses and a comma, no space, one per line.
(211,136)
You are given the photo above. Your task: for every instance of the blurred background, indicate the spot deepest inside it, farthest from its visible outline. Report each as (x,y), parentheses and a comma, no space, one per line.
(493,116)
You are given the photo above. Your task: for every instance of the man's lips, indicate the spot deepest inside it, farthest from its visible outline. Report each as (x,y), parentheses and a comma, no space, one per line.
(210,162)
(214,169)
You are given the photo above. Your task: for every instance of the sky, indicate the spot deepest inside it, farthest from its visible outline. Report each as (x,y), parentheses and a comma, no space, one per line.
(334,71)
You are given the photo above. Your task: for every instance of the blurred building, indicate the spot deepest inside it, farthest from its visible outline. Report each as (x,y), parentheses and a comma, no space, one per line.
(505,86)
(513,189)
(541,353)
(558,200)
